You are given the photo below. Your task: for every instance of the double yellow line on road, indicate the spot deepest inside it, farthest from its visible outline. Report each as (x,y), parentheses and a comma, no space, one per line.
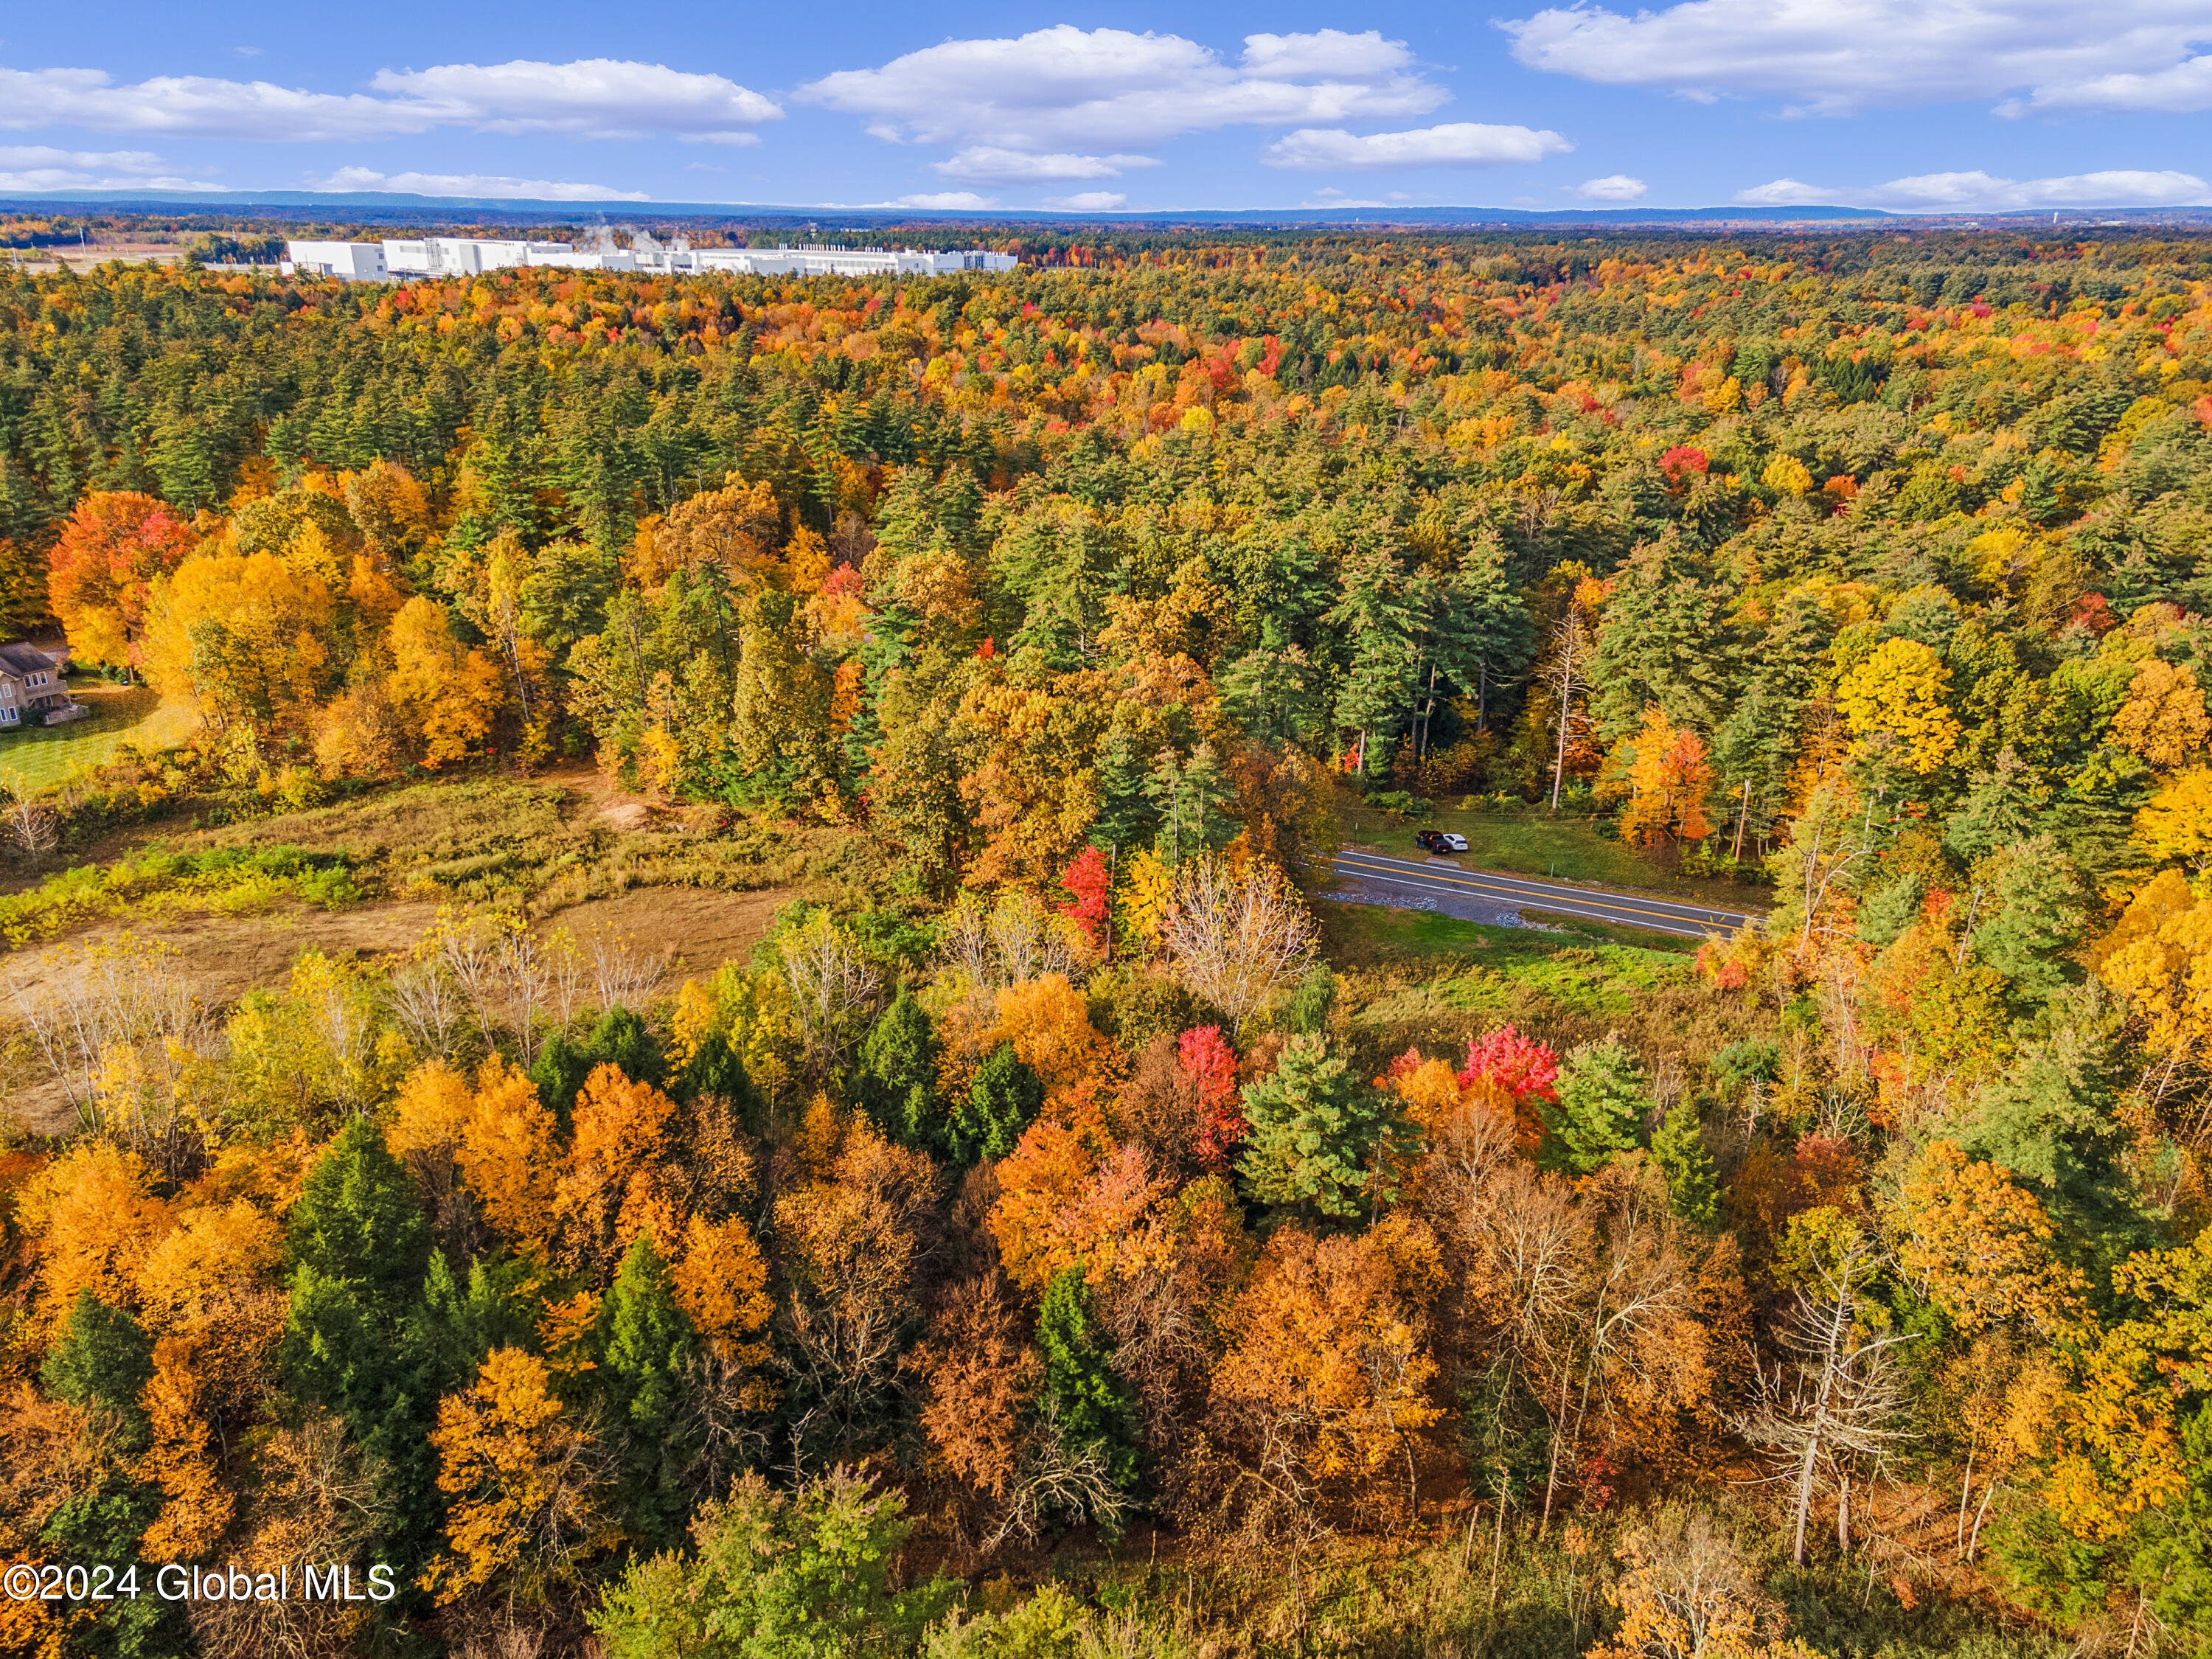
(1535,900)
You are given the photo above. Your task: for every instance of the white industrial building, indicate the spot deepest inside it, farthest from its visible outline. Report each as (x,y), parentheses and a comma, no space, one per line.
(457,256)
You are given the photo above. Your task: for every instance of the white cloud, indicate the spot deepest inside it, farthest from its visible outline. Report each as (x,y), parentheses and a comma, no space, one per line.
(596,97)
(198,104)
(475,184)
(1981,192)
(1066,88)
(949,200)
(591,98)
(989,164)
(1089,201)
(1613,187)
(1833,57)
(1454,145)
(41,167)
(2179,89)
(1332,199)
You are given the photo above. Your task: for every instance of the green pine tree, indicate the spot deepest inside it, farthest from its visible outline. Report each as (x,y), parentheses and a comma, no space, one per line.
(1191,798)
(1890,909)
(1001,1102)
(646,1347)
(1088,1402)
(1602,1103)
(897,1078)
(1678,1147)
(1316,1130)
(2036,914)
(103,1362)
(352,1341)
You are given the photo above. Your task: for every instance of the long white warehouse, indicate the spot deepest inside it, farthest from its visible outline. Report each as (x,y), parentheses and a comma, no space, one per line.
(458,256)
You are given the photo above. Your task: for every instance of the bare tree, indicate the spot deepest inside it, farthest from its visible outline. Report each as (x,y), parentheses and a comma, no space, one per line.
(1053,1479)
(1837,1395)
(1016,939)
(467,946)
(1236,939)
(624,974)
(524,977)
(423,997)
(1566,672)
(114,1020)
(28,821)
(834,988)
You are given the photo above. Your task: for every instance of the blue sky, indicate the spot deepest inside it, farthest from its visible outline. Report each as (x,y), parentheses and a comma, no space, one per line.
(1956,104)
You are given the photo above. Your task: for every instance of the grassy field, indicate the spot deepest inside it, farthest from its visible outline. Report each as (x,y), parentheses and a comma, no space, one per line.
(1365,932)
(43,755)
(1529,842)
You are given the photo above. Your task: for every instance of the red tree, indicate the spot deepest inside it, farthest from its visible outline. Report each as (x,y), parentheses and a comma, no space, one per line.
(1088,886)
(113,546)
(1521,1065)
(1209,1065)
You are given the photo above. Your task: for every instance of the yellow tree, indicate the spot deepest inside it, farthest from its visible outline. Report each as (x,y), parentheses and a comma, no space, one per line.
(2176,828)
(1668,783)
(449,695)
(1897,706)
(245,639)
(1979,1245)
(524,1483)
(94,1218)
(2118,1439)
(2163,720)
(506,1155)
(1689,1593)
(721,1284)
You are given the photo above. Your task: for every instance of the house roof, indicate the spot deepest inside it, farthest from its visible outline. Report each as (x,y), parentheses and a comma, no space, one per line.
(24,659)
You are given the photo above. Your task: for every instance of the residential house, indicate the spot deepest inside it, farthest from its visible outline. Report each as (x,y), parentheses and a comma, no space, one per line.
(35,688)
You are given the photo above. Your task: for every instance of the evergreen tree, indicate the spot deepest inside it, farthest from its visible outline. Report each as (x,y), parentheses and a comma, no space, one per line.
(1890,909)
(1481,635)
(2037,916)
(716,1069)
(1189,800)
(1270,694)
(360,1246)
(1665,639)
(620,1038)
(1088,1401)
(1382,622)
(2053,1121)
(1310,1003)
(1601,1104)
(1679,1149)
(1000,1104)
(897,1078)
(459,1321)
(2000,809)
(102,1362)
(645,1346)
(1316,1132)
(359,1219)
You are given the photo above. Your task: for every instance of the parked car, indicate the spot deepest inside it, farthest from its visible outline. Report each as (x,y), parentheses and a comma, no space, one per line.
(1440,841)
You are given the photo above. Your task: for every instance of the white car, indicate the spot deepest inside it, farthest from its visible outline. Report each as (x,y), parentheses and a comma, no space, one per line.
(1441,841)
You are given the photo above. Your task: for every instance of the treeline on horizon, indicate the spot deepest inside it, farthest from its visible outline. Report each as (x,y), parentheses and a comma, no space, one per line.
(1056,1185)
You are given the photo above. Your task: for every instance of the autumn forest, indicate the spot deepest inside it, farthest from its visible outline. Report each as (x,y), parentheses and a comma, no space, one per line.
(714,1010)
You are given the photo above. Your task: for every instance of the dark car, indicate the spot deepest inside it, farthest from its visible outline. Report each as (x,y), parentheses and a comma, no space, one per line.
(1440,841)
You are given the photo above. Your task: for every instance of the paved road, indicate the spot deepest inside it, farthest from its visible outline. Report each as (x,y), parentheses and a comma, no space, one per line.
(1516,892)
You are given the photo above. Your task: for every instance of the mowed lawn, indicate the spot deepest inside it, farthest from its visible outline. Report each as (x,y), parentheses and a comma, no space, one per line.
(42,756)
